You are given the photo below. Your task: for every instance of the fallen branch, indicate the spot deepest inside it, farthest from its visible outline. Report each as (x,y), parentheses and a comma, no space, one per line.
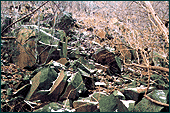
(157,102)
(7,38)
(150,67)
(23,17)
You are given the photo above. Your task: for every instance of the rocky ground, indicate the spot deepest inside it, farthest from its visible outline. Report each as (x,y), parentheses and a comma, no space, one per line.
(85,71)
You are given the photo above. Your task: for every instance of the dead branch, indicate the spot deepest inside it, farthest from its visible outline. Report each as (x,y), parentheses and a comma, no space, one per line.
(158,21)
(24,17)
(150,67)
(157,102)
(7,38)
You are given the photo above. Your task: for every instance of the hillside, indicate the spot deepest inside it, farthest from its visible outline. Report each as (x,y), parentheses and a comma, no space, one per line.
(85,56)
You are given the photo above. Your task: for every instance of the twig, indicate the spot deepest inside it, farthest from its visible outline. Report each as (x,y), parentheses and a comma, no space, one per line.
(148,79)
(23,17)
(7,38)
(81,105)
(56,6)
(129,5)
(142,6)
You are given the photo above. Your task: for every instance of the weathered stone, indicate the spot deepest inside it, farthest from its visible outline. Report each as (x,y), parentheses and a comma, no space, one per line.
(135,93)
(53,107)
(108,58)
(46,42)
(118,94)
(66,21)
(77,64)
(68,103)
(58,87)
(17,103)
(99,66)
(49,107)
(25,58)
(146,105)
(129,104)
(88,81)
(62,61)
(88,63)
(40,95)
(97,96)
(111,104)
(43,80)
(74,87)
(84,105)
(55,55)
(22,91)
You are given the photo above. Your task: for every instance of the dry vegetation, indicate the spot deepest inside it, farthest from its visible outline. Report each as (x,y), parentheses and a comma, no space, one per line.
(141,27)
